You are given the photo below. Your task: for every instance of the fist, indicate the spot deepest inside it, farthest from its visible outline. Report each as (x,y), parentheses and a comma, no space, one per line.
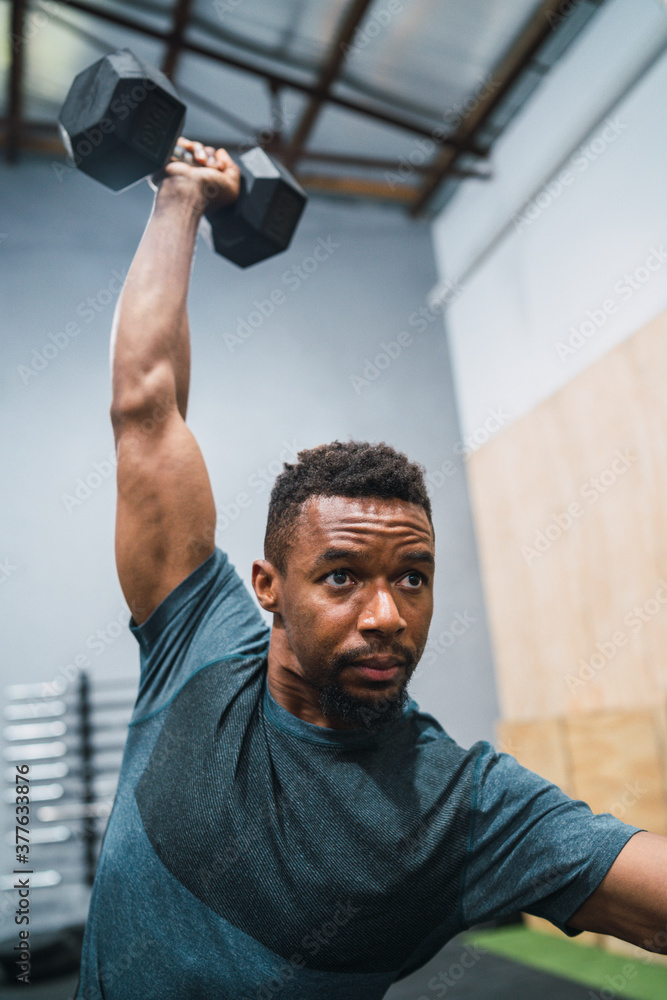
(214,172)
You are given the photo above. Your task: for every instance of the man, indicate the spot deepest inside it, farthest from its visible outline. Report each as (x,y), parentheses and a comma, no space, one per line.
(287,822)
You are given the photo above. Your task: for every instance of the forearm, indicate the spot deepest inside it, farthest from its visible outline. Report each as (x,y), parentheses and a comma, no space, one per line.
(150,342)
(631,901)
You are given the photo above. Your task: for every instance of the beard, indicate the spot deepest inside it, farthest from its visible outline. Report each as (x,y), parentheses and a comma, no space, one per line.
(372,713)
(376,712)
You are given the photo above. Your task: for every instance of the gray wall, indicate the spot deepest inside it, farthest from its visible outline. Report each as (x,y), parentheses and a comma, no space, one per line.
(572,212)
(64,242)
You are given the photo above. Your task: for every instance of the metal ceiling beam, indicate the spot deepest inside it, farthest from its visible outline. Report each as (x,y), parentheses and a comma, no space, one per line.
(345,187)
(522,52)
(275,79)
(279,53)
(15,99)
(356,187)
(43,136)
(328,73)
(344,159)
(362,87)
(179,24)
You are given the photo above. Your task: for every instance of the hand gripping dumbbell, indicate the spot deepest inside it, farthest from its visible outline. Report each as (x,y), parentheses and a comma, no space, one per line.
(120,122)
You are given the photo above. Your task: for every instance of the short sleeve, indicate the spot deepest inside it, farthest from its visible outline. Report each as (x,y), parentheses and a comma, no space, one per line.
(532,848)
(210,616)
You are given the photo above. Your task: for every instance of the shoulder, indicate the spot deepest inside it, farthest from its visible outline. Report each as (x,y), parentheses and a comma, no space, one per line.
(438,750)
(210,617)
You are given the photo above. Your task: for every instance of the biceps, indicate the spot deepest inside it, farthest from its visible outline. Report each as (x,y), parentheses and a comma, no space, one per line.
(631,901)
(165,521)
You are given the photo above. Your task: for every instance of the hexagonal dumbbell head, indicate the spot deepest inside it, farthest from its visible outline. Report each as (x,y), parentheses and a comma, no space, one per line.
(263,219)
(120,120)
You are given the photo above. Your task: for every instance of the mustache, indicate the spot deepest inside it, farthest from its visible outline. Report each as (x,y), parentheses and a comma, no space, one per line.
(342,660)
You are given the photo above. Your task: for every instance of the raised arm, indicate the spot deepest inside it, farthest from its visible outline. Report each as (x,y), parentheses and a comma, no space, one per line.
(165,521)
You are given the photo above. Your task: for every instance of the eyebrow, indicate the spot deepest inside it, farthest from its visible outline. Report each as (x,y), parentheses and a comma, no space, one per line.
(335,554)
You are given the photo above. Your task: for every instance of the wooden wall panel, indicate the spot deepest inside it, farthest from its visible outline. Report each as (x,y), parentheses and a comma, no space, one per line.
(541,747)
(617,767)
(566,636)
(570,507)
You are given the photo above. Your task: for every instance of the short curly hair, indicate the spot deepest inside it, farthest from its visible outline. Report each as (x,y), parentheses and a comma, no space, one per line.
(345,469)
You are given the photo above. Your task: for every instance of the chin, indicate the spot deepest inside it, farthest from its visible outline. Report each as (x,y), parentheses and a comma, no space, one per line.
(377,711)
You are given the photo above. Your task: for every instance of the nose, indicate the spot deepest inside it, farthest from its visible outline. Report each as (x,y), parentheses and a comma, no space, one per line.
(381,613)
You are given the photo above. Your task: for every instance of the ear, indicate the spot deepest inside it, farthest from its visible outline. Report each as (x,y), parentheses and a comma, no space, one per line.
(266,584)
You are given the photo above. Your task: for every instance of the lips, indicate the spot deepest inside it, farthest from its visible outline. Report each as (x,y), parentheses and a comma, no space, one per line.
(379,662)
(378,668)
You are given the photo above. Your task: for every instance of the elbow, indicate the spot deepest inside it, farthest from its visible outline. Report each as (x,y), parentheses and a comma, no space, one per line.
(146,400)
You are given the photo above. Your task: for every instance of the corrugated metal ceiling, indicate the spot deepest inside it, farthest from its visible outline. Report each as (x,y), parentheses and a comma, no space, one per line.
(388,99)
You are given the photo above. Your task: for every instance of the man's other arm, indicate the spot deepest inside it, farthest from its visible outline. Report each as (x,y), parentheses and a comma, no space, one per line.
(631,901)
(165,521)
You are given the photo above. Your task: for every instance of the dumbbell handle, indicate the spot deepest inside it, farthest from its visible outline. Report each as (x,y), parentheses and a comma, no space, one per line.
(268,216)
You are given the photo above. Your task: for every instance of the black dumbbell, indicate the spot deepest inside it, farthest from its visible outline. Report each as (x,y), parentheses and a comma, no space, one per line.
(120,123)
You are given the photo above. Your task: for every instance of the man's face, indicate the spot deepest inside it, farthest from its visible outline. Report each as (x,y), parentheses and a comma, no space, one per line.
(356,604)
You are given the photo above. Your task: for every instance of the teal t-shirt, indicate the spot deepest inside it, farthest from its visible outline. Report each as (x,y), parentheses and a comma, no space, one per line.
(251,855)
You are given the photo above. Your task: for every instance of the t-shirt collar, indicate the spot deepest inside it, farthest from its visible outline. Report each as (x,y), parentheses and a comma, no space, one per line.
(360,737)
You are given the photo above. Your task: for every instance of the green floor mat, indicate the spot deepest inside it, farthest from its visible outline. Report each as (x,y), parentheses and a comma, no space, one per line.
(609,975)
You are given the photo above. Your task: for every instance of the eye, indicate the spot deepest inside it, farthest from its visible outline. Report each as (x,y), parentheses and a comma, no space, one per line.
(417,580)
(338,573)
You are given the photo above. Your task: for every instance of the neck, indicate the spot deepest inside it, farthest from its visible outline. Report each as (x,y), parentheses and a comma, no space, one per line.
(288,686)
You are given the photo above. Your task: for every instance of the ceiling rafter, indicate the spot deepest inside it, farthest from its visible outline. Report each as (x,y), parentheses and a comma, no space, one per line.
(327,77)
(180,18)
(275,79)
(457,154)
(274,53)
(522,53)
(44,136)
(15,101)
